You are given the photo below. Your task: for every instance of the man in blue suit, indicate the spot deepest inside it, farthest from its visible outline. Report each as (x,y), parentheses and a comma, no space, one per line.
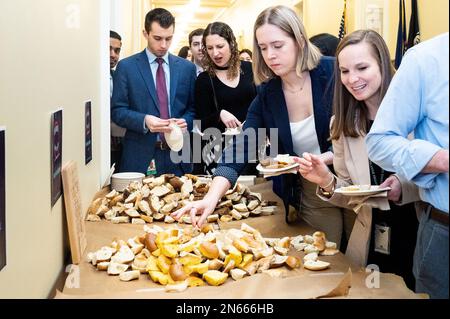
(151,89)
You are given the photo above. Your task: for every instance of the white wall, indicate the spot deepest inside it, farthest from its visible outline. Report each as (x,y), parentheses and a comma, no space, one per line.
(127,18)
(52,57)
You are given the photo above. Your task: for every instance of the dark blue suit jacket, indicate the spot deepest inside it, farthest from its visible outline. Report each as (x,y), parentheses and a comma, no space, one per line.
(134,96)
(269,110)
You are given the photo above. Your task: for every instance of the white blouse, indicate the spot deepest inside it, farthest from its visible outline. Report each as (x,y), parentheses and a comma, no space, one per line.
(304,136)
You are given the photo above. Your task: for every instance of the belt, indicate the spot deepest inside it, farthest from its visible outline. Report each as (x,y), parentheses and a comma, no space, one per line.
(161,145)
(439,216)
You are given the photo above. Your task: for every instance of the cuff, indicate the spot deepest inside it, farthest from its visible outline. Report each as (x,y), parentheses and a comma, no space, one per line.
(230,174)
(145,127)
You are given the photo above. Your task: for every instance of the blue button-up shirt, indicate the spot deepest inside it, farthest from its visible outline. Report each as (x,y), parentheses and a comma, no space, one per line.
(417,102)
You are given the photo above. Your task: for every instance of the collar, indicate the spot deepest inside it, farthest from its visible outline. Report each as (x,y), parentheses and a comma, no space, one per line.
(199,67)
(151,57)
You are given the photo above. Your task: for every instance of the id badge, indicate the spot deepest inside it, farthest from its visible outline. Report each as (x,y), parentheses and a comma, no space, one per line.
(151,170)
(382,239)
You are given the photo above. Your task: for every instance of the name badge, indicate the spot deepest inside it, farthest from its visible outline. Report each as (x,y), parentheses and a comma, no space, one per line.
(382,239)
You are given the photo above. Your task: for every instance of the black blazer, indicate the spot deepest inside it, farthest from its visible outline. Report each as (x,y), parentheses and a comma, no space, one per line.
(269,110)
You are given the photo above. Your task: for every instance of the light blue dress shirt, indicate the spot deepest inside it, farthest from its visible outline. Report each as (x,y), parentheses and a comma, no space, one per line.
(416,101)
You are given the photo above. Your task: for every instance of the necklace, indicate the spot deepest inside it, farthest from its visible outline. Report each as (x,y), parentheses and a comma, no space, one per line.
(296,91)
(374,176)
(221,67)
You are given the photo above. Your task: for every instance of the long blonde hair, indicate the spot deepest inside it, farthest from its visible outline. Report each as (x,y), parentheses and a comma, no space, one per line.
(350,115)
(287,20)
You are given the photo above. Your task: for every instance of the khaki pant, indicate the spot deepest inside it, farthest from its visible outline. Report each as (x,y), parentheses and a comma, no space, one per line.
(324,216)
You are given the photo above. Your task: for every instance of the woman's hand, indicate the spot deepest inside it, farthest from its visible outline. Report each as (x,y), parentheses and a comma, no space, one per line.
(229,120)
(313,168)
(396,188)
(202,207)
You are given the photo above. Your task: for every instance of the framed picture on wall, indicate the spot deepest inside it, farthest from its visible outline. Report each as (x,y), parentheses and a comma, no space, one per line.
(87,132)
(56,155)
(2,200)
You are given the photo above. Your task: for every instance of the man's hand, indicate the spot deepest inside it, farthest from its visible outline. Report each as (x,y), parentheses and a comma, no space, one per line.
(438,163)
(181,123)
(157,125)
(396,188)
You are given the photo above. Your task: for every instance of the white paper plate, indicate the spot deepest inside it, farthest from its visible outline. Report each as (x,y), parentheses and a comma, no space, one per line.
(275,170)
(175,138)
(232,131)
(374,189)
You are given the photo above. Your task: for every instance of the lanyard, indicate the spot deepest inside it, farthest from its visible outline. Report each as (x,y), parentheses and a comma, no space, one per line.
(374,176)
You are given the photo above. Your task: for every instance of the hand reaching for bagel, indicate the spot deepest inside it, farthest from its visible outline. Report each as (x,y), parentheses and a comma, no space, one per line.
(203,207)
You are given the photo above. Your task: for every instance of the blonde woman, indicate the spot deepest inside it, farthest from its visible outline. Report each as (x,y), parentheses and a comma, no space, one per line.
(294,97)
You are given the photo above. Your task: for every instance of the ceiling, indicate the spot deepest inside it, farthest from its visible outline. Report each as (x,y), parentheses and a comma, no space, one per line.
(190,15)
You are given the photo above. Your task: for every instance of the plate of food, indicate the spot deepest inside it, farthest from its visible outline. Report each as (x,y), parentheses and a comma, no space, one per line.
(282,162)
(361,190)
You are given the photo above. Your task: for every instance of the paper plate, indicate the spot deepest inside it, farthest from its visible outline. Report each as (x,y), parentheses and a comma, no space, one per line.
(175,138)
(355,190)
(232,131)
(275,170)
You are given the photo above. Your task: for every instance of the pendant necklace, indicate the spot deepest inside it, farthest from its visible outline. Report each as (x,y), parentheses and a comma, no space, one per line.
(296,91)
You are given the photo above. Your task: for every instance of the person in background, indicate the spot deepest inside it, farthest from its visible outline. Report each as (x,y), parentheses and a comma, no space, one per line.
(327,43)
(245,55)
(294,98)
(185,53)
(224,91)
(417,101)
(117,132)
(195,44)
(152,89)
(363,72)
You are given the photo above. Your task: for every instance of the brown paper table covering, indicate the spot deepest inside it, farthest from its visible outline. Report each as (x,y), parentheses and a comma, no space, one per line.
(298,283)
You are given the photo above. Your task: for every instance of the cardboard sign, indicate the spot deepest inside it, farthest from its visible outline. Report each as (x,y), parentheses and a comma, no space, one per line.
(56,155)
(87,132)
(74,212)
(2,200)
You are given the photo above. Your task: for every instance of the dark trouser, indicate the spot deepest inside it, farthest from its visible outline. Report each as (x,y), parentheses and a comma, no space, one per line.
(116,152)
(431,254)
(164,164)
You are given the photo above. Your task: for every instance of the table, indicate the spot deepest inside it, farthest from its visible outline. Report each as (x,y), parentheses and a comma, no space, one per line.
(298,283)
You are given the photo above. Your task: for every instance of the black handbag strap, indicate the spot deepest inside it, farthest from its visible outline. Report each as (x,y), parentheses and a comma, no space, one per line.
(214,94)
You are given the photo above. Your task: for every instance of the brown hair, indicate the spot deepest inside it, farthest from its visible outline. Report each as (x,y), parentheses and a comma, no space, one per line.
(195,33)
(350,115)
(223,30)
(163,17)
(287,20)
